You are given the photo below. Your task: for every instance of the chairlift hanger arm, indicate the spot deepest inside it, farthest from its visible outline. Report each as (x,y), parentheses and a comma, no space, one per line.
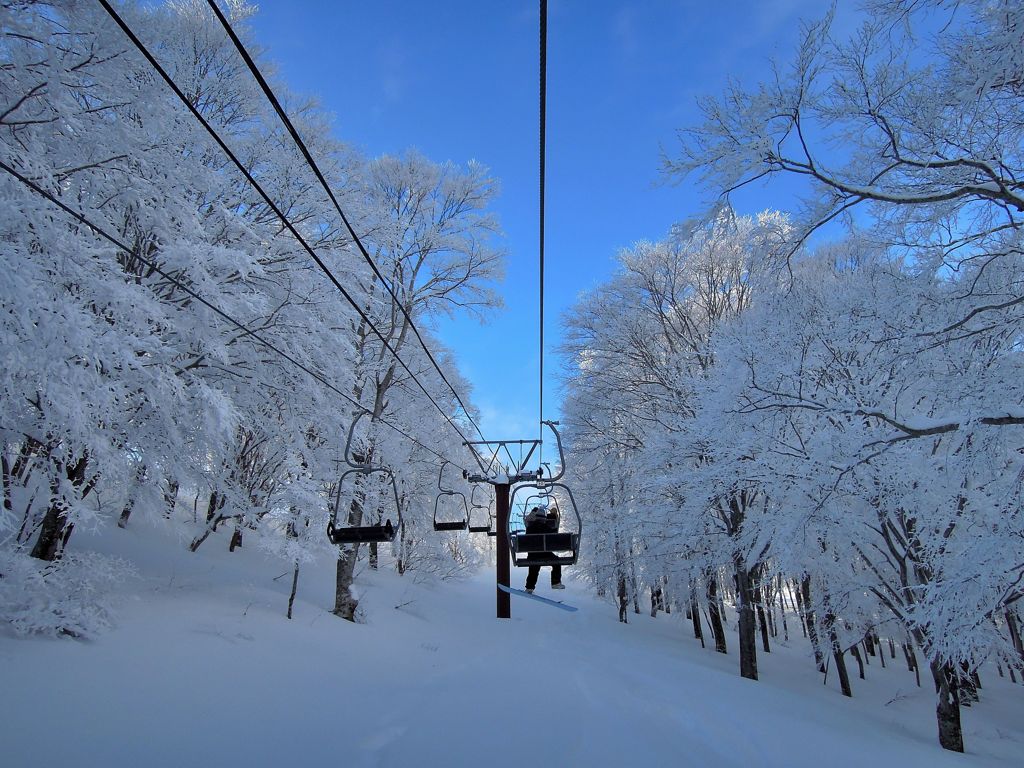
(349,459)
(440,477)
(561,454)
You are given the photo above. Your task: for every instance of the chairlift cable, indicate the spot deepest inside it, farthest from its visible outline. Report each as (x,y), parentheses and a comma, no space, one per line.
(273,206)
(217,310)
(272,98)
(543,140)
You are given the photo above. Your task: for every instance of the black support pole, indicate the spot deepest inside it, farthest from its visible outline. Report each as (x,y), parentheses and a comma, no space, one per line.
(503,574)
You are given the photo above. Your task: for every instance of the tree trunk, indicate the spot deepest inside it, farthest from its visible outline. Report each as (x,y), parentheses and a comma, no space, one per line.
(947,708)
(656,601)
(373,556)
(345,603)
(213,519)
(198,540)
(634,588)
(910,659)
(623,598)
(7,477)
(844,675)
(714,614)
(236,538)
(19,473)
(908,649)
(764,629)
(170,498)
(855,652)
(56,529)
(811,622)
(759,596)
(966,687)
(404,547)
(695,617)
(53,533)
(141,473)
(1014,630)
(126,512)
(747,621)
(295,588)
(782,613)
(800,609)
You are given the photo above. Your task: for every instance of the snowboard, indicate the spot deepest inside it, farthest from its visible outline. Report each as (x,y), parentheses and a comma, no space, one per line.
(522,593)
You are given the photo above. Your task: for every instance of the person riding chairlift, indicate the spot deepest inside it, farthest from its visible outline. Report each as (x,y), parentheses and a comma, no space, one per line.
(539,520)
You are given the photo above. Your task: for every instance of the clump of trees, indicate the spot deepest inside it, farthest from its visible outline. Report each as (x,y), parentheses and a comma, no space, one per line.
(123,392)
(833,427)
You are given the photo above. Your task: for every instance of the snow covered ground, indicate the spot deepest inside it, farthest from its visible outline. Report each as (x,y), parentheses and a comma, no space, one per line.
(203,668)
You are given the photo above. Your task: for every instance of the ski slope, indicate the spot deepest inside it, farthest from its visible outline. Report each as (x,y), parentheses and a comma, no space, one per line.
(203,668)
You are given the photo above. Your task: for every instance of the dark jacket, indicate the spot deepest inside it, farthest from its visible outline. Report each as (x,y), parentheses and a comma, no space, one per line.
(543,524)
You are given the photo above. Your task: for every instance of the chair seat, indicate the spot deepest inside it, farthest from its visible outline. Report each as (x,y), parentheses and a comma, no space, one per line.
(456,525)
(543,542)
(361,534)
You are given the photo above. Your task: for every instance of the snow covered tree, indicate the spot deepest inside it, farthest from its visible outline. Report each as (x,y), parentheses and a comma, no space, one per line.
(126,377)
(432,242)
(913,126)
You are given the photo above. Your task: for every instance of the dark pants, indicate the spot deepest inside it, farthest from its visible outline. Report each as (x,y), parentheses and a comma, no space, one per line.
(533,572)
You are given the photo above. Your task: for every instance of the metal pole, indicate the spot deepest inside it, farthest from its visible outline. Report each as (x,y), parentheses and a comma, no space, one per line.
(503,567)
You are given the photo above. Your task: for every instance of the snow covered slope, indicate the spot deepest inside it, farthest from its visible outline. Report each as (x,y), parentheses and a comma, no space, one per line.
(204,669)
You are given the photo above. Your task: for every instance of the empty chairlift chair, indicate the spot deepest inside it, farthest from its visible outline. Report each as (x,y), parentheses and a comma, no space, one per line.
(363,534)
(458,499)
(382,532)
(480,520)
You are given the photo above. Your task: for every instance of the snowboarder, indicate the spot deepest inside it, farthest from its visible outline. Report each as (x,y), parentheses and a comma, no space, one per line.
(539,520)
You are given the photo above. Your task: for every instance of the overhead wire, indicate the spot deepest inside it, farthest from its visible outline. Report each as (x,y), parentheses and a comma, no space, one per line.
(297,138)
(151,264)
(273,206)
(543,140)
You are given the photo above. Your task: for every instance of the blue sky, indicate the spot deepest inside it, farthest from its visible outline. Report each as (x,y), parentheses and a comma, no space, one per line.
(457,80)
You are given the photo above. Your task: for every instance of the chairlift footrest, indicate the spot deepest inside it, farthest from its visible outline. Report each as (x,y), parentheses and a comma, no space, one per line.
(526,562)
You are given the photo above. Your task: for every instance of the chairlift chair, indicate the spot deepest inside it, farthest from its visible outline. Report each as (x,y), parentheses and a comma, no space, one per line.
(362,534)
(561,548)
(449,525)
(474,505)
